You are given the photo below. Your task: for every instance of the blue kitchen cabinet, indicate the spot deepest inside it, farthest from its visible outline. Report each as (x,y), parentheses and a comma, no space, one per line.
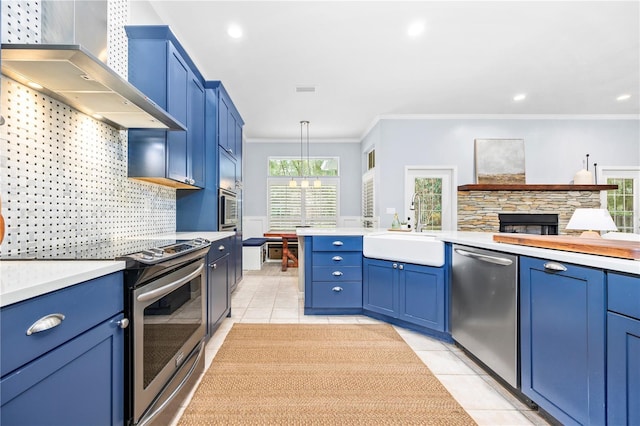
(407,293)
(379,293)
(623,349)
(72,373)
(198,210)
(196,132)
(230,125)
(218,283)
(227,171)
(333,274)
(161,69)
(562,334)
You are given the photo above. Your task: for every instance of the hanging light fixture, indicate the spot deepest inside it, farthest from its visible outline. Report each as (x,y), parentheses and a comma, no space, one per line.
(316,183)
(304,183)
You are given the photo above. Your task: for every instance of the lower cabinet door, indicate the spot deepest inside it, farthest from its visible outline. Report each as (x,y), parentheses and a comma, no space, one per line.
(421,298)
(379,279)
(623,370)
(563,338)
(218,292)
(79,383)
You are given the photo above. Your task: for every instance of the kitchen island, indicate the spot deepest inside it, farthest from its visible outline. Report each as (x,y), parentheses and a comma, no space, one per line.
(577,315)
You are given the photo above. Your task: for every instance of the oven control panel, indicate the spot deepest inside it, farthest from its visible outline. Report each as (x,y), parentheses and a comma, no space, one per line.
(154,255)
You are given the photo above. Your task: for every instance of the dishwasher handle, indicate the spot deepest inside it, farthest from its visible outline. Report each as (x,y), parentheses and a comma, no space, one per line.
(485,258)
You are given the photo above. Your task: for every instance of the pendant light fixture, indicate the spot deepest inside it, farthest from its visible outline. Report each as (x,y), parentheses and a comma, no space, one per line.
(304,182)
(316,183)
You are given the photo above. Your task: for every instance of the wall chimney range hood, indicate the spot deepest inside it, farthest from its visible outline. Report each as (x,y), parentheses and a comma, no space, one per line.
(72,75)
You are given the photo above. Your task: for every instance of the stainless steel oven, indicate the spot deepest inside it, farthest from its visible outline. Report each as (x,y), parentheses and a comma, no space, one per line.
(166,302)
(228,216)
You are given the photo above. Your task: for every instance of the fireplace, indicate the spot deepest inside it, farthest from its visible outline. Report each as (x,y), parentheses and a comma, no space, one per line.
(529,223)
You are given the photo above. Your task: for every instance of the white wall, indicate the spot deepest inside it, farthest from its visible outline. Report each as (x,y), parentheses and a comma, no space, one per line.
(554,148)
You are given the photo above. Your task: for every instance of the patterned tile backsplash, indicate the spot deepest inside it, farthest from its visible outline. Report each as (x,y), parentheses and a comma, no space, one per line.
(63,175)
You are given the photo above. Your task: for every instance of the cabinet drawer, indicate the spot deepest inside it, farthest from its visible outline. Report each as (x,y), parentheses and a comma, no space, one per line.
(326,258)
(337,295)
(337,273)
(219,249)
(624,294)
(337,243)
(83,305)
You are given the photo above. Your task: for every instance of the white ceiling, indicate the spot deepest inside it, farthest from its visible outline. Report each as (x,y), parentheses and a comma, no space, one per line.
(569,57)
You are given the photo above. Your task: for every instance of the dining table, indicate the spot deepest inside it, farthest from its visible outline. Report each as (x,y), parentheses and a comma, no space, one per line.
(287,256)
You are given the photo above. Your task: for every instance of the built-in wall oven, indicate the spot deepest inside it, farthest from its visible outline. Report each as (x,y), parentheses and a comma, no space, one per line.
(165,299)
(228,216)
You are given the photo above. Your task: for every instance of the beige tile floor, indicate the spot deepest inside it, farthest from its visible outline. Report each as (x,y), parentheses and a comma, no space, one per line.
(272,296)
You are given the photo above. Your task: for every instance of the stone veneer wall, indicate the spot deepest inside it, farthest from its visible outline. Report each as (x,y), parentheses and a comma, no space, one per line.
(478,210)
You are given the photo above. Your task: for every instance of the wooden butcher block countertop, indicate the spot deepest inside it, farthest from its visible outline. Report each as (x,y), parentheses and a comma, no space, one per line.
(602,247)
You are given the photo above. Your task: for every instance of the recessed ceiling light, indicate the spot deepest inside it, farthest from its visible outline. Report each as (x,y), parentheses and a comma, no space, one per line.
(415,29)
(520,97)
(623,97)
(234,31)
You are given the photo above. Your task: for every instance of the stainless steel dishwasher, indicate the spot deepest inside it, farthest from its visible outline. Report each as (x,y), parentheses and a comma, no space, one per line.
(484,308)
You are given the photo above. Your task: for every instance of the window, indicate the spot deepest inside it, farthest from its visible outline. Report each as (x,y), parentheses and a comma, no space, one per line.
(430,192)
(623,203)
(438,196)
(290,207)
(368,205)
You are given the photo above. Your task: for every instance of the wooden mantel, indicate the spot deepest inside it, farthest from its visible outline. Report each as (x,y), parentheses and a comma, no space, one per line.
(534,187)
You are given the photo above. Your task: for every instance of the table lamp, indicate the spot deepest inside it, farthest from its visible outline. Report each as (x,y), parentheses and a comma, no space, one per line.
(591,221)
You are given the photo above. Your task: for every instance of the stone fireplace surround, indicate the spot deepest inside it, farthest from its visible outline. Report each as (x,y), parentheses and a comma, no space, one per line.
(479,204)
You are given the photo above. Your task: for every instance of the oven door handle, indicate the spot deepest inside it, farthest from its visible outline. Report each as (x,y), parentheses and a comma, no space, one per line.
(166,289)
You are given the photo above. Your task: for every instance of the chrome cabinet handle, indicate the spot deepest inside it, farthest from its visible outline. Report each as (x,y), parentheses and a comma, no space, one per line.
(395,266)
(401,267)
(213,265)
(45,323)
(220,247)
(123,323)
(336,273)
(336,258)
(338,243)
(555,267)
(337,289)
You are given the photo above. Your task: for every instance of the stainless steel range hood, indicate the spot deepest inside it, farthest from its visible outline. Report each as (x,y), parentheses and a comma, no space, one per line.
(75,77)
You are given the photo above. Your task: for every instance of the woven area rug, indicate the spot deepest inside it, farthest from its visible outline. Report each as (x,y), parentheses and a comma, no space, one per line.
(295,374)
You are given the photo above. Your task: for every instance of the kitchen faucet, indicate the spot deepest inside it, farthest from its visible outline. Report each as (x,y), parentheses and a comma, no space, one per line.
(417,210)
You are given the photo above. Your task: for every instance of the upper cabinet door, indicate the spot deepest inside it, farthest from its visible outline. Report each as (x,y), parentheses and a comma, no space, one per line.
(223,124)
(177,89)
(196,132)
(177,84)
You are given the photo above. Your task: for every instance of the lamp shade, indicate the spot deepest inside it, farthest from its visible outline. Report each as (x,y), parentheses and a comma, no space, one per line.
(592,220)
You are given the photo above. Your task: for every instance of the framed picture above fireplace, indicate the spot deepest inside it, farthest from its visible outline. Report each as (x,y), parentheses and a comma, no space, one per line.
(499,161)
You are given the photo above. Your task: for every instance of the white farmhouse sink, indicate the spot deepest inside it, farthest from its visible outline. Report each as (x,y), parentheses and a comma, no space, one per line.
(410,247)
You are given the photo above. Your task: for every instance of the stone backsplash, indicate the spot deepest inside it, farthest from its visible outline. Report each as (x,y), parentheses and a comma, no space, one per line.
(478,210)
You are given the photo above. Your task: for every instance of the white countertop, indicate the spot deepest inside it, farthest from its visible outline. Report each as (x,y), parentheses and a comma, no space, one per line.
(23,279)
(485,240)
